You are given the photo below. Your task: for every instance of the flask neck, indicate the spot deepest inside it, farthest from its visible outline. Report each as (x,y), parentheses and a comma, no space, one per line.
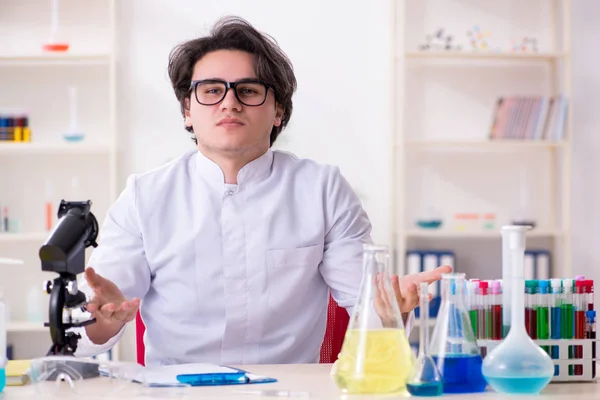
(452,289)
(517,292)
(375,262)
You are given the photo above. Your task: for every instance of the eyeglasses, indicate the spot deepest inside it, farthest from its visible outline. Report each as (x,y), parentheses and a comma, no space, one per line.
(249,92)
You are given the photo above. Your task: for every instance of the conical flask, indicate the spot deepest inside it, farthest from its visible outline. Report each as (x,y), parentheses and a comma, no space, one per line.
(427,380)
(453,346)
(517,365)
(376,356)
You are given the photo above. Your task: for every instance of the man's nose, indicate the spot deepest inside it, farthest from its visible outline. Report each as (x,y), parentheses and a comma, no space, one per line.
(230,102)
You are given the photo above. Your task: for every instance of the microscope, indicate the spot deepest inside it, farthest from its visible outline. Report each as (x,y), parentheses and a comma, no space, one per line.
(64,253)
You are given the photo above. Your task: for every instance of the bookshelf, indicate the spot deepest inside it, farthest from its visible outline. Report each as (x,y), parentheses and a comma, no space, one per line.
(36,83)
(444,101)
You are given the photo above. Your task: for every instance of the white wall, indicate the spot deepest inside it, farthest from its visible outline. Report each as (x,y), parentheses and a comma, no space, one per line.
(341,54)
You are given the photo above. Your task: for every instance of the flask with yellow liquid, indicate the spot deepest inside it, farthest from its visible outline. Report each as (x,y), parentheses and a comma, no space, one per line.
(376,356)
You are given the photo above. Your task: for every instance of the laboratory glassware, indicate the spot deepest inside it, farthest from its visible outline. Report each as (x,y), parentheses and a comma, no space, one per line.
(55,40)
(453,346)
(517,364)
(376,356)
(427,380)
(429,217)
(74,132)
(506,278)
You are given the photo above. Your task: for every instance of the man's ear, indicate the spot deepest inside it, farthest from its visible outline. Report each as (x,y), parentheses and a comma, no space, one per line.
(279,112)
(186,111)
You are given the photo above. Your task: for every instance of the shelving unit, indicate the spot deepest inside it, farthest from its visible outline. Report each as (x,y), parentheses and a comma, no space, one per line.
(486,145)
(464,55)
(45,59)
(26,326)
(37,237)
(444,103)
(38,82)
(482,234)
(54,148)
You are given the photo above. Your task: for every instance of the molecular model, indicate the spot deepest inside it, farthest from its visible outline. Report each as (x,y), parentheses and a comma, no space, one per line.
(477,38)
(439,41)
(525,45)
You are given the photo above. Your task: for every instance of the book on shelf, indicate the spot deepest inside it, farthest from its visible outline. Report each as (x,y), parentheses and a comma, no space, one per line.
(529,118)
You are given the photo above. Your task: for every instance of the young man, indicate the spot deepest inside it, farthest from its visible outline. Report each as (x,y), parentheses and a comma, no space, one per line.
(233,247)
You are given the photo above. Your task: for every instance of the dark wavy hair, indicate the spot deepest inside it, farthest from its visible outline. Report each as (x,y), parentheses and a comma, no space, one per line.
(271,64)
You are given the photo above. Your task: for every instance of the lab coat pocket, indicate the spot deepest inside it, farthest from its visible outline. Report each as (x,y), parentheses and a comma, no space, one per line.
(291,275)
(302,256)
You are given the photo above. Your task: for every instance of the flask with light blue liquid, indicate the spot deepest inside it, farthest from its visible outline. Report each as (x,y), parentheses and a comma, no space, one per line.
(517,365)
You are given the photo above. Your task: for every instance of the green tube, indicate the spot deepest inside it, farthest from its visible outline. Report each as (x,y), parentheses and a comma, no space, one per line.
(473,317)
(543,331)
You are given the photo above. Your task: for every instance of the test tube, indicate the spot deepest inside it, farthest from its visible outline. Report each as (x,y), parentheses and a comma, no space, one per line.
(591,334)
(543,313)
(590,294)
(555,322)
(488,311)
(566,316)
(496,305)
(530,308)
(472,305)
(481,314)
(580,303)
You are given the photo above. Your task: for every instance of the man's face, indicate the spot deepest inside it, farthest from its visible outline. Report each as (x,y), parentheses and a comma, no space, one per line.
(230,126)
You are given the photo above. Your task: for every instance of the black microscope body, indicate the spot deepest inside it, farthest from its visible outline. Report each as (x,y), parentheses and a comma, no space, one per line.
(64,253)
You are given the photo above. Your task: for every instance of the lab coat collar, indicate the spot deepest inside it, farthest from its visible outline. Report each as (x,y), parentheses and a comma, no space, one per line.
(255,171)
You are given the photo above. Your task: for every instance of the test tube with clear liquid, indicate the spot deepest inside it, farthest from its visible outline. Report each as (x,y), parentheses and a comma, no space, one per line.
(517,365)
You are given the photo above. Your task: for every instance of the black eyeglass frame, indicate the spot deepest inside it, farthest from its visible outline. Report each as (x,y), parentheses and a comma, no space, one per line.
(231,85)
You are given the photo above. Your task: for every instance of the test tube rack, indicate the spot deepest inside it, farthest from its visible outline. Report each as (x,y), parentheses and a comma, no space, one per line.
(563,361)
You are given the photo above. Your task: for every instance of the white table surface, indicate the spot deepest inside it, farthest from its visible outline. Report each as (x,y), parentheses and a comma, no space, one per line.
(315,378)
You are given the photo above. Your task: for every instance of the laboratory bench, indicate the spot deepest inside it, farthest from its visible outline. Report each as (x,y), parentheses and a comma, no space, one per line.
(315,379)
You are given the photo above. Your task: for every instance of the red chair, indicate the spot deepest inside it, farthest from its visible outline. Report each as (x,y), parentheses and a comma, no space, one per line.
(337,323)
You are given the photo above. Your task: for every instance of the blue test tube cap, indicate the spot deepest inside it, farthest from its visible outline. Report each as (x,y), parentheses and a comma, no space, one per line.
(591,315)
(543,286)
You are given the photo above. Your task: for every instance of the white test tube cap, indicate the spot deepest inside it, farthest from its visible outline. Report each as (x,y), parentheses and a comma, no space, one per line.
(471,286)
(555,283)
(567,283)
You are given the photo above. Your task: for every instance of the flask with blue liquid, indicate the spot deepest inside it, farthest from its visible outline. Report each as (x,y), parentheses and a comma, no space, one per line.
(517,365)
(453,345)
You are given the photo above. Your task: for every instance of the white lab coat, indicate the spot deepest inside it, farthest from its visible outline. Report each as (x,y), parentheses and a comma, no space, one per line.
(233,274)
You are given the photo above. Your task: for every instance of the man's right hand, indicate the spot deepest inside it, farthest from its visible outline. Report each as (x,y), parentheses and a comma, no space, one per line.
(110,308)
